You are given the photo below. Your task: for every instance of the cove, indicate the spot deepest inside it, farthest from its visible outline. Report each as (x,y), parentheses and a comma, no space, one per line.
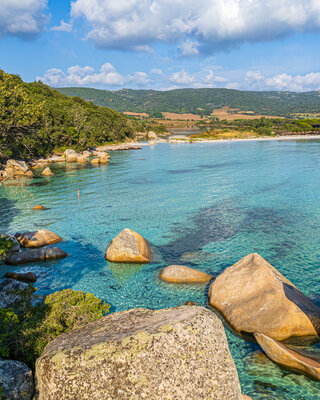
(204,205)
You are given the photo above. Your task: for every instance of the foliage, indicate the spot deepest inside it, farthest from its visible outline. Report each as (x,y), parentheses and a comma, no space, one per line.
(5,245)
(35,119)
(28,328)
(200,101)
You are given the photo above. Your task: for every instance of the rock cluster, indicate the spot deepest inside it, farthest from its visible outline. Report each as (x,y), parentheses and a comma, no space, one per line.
(16,169)
(177,353)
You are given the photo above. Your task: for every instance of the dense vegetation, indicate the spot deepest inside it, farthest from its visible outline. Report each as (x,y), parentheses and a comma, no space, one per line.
(35,120)
(5,246)
(200,101)
(27,328)
(264,126)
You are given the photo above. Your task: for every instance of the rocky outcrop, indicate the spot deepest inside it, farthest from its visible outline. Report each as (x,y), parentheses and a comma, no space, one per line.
(47,172)
(182,274)
(39,238)
(16,380)
(152,135)
(101,158)
(16,169)
(38,207)
(288,358)
(35,255)
(254,297)
(70,155)
(8,292)
(128,247)
(23,277)
(175,353)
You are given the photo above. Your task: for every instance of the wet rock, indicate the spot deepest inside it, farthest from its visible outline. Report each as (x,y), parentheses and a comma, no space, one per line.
(288,358)
(35,255)
(16,380)
(128,247)
(23,277)
(47,172)
(39,238)
(254,297)
(182,274)
(70,155)
(8,289)
(175,353)
(38,207)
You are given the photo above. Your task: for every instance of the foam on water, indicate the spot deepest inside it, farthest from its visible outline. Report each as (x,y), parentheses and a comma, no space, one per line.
(202,205)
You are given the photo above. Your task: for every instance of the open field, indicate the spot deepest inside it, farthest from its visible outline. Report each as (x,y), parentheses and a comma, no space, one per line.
(231,114)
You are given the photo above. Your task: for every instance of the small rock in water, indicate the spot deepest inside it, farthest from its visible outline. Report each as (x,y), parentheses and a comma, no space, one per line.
(38,238)
(47,172)
(34,255)
(38,207)
(23,277)
(182,274)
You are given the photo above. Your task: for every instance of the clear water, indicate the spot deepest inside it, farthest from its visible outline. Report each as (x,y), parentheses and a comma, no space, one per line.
(202,205)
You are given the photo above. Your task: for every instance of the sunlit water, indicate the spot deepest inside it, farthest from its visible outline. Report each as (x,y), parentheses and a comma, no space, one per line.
(202,205)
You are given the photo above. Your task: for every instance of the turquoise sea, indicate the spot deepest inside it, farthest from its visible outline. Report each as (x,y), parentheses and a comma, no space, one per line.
(202,205)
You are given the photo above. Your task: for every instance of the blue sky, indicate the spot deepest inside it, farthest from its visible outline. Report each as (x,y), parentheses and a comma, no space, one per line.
(163,44)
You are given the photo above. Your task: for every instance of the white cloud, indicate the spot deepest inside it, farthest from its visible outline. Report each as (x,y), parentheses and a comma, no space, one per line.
(22,17)
(284,82)
(156,71)
(181,78)
(211,78)
(63,27)
(136,23)
(86,76)
(189,48)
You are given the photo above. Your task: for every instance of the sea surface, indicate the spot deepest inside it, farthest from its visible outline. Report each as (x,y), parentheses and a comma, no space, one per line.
(202,205)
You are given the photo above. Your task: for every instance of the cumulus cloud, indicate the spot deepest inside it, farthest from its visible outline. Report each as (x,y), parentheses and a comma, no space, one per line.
(189,48)
(63,27)
(22,18)
(87,76)
(284,82)
(215,23)
(156,71)
(181,78)
(211,78)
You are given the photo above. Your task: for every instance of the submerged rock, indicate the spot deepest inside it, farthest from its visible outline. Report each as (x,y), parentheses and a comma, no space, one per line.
(39,238)
(175,353)
(47,172)
(182,274)
(128,247)
(23,277)
(288,358)
(34,255)
(16,380)
(254,297)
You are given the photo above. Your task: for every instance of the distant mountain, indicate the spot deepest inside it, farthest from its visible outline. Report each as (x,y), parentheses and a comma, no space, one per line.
(36,119)
(200,101)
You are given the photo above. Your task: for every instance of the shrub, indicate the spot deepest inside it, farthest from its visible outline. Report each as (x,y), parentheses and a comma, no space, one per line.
(5,246)
(28,328)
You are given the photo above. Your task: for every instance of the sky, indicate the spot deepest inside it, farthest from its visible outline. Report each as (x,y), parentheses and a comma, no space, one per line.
(163,44)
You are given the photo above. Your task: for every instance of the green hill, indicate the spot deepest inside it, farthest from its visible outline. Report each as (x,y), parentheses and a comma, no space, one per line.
(36,119)
(200,101)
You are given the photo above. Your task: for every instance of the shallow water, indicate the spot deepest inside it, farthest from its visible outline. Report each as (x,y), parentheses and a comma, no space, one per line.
(202,205)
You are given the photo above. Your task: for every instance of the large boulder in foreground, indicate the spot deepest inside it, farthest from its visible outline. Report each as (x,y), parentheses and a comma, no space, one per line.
(182,274)
(38,238)
(128,247)
(16,380)
(254,297)
(35,255)
(288,358)
(175,353)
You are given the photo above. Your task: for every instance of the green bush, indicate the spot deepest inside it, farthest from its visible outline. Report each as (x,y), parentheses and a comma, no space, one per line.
(5,245)
(28,328)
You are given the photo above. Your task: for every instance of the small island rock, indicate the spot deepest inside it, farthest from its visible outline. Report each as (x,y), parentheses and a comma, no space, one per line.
(47,172)
(254,297)
(38,238)
(35,255)
(175,353)
(38,207)
(16,380)
(288,358)
(182,274)
(128,247)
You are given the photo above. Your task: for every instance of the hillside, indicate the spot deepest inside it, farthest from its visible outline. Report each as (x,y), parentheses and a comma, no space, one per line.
(200,101)
(36,119)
